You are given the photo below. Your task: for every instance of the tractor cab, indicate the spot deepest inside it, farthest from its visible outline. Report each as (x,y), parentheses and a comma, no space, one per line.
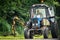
(41,11)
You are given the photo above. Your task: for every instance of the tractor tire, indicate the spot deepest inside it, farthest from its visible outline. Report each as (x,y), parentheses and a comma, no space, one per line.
(53,30)
(26,35)
(30,35)
(45,33)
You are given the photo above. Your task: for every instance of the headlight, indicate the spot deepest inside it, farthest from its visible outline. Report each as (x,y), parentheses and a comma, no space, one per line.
(33,24)
(36,24)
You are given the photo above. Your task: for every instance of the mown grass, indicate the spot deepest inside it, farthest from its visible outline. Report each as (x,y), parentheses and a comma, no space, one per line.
(19,37)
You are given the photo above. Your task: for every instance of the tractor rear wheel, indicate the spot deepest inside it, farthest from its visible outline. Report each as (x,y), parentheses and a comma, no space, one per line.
(54,30)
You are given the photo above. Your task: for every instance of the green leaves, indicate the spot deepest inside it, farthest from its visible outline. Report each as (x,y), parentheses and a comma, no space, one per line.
(5,26)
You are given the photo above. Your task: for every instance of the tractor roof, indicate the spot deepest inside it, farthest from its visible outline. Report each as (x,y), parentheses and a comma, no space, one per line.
(40,5)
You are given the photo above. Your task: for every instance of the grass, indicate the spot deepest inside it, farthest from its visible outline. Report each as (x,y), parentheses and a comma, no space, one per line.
(22,37)
(19,37)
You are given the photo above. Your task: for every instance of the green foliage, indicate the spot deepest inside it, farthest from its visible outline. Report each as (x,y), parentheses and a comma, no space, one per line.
(4,26)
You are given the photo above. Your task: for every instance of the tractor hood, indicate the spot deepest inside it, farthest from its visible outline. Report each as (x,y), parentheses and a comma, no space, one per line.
(36,22)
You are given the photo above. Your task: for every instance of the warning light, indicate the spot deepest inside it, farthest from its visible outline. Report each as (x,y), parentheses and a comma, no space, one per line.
(42,1)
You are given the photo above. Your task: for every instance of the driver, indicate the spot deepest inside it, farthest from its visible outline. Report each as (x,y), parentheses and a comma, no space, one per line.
(39,14)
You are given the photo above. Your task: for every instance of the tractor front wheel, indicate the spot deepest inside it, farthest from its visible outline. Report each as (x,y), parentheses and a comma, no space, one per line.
(45,32)
(28,34)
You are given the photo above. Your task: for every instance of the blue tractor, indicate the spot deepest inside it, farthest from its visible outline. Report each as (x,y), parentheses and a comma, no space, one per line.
(42,19)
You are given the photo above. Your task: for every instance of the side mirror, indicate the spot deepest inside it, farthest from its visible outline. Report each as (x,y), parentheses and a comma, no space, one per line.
(50,8)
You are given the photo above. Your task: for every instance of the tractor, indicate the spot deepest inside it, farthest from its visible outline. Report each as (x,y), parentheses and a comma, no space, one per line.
(42,19)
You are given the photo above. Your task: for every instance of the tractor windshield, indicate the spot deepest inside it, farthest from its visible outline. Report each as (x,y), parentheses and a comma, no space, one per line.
(39,12)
